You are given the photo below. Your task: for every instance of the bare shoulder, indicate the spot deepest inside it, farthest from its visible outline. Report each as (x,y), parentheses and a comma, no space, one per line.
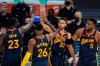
(69,35)
(97,34)
(79,31)
(32,41)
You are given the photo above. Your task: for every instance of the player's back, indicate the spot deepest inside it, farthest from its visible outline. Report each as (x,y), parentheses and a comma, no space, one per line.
(40,52)
(12,43)
(88,45)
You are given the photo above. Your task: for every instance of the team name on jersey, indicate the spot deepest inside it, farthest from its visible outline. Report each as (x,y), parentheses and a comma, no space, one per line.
(84,41)
(12,35)
(61,45)
(57,40)
(42,44)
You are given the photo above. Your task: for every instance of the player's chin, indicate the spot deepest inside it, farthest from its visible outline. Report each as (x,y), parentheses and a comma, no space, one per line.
(60,28)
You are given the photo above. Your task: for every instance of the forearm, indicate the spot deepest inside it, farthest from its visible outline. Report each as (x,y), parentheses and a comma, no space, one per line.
(52,27)
(69,41)
(1,41)
(27,26)
(71,50)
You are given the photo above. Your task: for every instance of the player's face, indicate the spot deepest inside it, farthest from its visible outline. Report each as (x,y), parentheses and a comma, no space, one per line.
(4,6)
(27,20)
(89,25)
(61,24)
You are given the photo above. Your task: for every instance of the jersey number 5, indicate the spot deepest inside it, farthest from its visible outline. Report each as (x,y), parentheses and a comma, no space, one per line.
(13,44)
(42,53)
(91,46)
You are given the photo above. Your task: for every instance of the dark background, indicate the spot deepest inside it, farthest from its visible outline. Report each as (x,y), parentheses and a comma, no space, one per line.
(87,4)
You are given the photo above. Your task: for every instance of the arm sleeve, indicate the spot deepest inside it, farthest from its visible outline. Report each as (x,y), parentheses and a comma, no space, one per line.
(69,41)
(26,58)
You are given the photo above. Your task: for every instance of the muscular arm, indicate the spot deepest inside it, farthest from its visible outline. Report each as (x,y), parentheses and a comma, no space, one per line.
(2,33)
(74,37)
(31,45)
(1,40)
(71,50)
(47,28)
(98,38)
(25,28)
(51,35)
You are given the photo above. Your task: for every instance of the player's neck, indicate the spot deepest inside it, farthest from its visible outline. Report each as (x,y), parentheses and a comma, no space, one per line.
(12,28)
(61,30)
(91,31)
(40,36)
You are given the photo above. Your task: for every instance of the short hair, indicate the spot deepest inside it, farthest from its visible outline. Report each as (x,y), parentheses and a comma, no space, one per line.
(12,22)
(63,18)
(39,27)
(51,9)
(93,20)
(28,16)
(5,2)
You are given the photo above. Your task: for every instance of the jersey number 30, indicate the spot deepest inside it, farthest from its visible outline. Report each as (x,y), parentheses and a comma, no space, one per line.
(42,53)
(13,44)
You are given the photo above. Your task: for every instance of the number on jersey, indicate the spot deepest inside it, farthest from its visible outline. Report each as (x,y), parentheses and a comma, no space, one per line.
(13,44)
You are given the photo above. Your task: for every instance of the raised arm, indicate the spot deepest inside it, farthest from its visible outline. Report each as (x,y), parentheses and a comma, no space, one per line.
(1,38)
(2,34)
(51,35)
(25,28)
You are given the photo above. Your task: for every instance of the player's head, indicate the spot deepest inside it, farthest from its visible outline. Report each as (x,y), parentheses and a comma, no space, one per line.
(4,6)
(39,29)
(68,2)
(62,23)
(27,18)
(91,23)
(78,14)
(51,12)
(13,22)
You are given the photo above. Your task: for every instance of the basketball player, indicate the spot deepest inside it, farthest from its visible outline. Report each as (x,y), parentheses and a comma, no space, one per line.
(38,47)
(12,40)
(89,41)
(58,47)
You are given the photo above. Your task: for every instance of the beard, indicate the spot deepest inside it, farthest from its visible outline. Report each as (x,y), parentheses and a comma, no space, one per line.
(89,30)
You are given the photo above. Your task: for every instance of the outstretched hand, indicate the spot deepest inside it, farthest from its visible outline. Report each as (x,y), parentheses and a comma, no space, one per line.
(34,9)
(42,14)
